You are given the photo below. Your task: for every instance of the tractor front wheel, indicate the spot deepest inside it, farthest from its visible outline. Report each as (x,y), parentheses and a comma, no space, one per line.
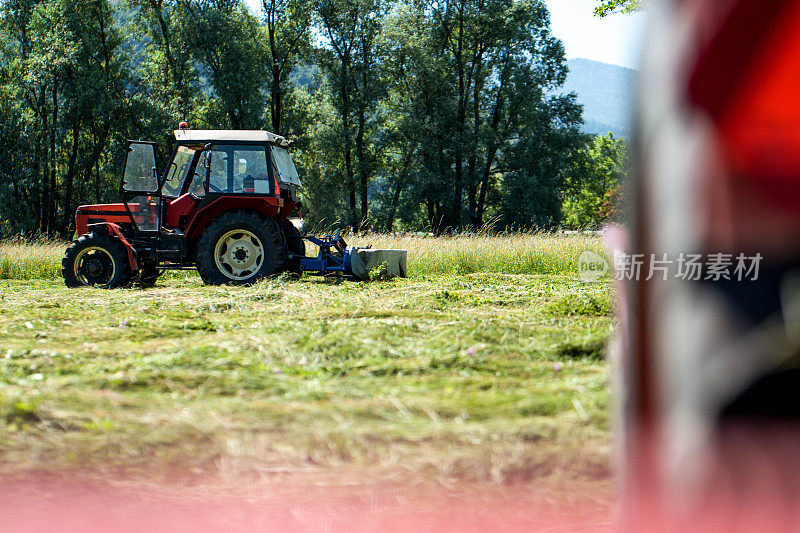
(95,260)
(237,248)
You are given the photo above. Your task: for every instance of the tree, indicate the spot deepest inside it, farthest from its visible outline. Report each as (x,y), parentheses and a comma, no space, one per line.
(594,185)
(63,70)
(232,55)
(608,7)
(351,28)
(477,75)
(288,31)
(166,65)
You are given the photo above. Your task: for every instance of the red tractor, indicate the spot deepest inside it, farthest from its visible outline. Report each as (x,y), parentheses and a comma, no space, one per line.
(222,206)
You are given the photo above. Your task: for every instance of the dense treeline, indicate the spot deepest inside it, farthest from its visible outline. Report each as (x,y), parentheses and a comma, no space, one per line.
(406,113)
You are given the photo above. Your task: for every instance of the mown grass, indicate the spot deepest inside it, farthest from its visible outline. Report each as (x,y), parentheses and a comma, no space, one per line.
(485,376)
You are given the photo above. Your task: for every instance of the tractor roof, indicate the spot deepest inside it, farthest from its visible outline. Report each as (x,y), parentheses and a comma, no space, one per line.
(188,135)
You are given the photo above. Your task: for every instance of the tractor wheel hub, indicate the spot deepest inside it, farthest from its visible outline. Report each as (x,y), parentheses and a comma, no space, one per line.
(239,254)
(94,267)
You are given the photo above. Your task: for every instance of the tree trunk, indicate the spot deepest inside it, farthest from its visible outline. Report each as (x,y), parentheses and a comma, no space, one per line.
(393,208)
(399,186)
(454,221)
(37,171)
(51,208)
(362,163)
(491,152)
(473,156)
(44,202)
(348,162)
(97,182)
(69,180)
(487,170)
(276,100)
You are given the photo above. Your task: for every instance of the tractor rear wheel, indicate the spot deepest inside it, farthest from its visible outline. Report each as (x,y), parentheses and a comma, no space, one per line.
(95,260)
(237,248)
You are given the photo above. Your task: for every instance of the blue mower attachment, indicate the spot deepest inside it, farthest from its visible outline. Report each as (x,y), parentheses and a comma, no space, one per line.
(335,257)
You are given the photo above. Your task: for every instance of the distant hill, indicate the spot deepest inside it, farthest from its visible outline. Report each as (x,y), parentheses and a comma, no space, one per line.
(606,92)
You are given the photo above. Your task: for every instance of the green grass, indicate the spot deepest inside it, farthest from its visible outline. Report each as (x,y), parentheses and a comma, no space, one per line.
(512,253)
(31,259)
(457,373)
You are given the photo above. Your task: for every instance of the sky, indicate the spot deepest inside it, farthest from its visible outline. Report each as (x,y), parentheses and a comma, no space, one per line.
(615,39)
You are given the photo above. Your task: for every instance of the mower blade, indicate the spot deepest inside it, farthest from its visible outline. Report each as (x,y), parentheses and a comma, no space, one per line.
(395,261)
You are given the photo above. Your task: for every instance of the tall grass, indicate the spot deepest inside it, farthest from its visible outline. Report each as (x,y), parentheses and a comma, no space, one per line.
(35,259)
(508,253)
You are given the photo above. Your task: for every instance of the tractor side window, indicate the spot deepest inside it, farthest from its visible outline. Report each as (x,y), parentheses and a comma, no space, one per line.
(140,168)
(239,169)
(250,171)
(177,171)
(218,177)
(198,185)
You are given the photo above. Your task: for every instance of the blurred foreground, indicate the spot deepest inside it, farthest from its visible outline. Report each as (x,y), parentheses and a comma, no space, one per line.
(295,503)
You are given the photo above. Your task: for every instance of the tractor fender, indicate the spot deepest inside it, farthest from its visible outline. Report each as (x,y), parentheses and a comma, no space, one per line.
(113,230)
(269,207)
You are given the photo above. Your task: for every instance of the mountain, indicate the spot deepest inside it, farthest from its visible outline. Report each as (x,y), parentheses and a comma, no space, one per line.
(606,93)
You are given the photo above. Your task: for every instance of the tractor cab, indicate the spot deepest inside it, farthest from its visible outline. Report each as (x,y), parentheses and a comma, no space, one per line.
(206,166)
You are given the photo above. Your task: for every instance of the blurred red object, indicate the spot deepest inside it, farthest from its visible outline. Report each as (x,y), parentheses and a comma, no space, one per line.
(711,369)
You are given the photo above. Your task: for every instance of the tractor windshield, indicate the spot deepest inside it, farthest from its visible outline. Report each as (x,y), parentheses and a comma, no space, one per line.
(178,171)
(282,159)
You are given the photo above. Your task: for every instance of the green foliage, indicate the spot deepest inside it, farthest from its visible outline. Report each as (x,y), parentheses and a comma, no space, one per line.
(18,413)
(63,69)
(593,188)
(608,7)
(406,114)
(380,273)
(470,86)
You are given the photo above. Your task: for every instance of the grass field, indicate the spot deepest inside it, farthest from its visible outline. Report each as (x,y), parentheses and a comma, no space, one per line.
(485,365)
